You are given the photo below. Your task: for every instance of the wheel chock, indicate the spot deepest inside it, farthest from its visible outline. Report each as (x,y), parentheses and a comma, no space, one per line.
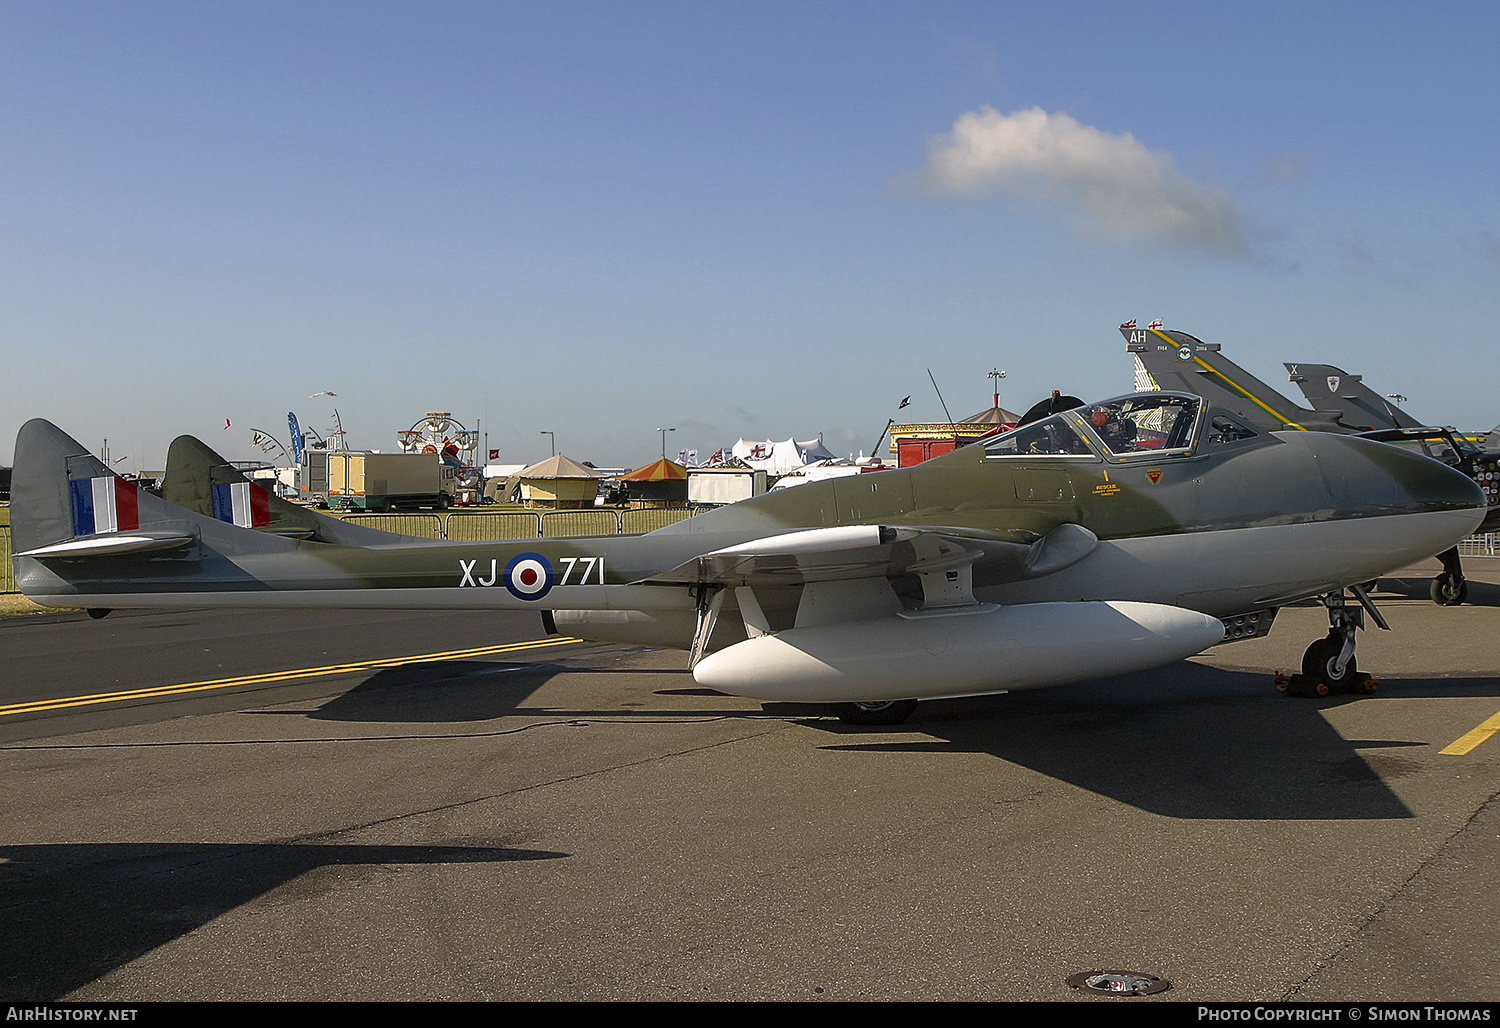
(1312,686)
(1301,685)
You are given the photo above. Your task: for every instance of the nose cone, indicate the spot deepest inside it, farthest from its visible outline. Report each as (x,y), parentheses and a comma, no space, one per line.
(1388,478)
(1370,479)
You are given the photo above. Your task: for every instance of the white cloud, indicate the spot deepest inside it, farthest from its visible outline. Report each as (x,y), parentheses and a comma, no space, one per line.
(1117,185)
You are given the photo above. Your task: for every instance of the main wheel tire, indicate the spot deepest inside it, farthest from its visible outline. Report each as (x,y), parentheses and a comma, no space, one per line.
(885,712)
(1319,662)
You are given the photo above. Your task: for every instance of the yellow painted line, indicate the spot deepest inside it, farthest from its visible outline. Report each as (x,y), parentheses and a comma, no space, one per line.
(153,692)
(1245,392)
(1469,740)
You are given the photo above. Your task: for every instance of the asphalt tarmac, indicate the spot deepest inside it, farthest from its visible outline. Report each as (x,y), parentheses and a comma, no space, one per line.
(374,806)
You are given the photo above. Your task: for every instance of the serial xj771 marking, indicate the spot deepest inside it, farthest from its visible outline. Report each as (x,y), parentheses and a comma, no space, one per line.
(529,576)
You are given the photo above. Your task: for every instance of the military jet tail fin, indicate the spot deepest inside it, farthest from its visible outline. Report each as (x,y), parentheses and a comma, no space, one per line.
(1178,361)
(1357,405)
(75,524)
(65,502)
(200,480)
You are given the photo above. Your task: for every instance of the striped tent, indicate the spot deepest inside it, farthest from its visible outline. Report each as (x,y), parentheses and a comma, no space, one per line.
(659,484)
(661,471)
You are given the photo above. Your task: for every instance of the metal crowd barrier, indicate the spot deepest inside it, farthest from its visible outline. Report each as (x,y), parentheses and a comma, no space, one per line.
(1480,545)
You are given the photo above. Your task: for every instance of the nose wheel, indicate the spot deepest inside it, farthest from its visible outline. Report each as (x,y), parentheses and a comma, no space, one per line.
(1449,588)
(1325,662)
(1328,665)
(1448,591)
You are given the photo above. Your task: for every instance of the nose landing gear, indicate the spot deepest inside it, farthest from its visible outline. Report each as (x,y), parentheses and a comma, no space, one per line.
(1328,666)
(1449,588)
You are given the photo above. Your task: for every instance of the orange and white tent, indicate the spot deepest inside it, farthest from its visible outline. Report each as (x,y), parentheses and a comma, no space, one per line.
(661,471)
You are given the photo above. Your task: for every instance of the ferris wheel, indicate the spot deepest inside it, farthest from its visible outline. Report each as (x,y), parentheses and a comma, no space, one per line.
(439,432)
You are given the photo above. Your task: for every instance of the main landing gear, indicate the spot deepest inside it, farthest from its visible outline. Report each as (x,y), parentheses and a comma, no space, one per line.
(887,712)
(1328,666)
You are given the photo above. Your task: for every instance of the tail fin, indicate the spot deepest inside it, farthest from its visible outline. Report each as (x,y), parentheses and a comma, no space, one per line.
(78,530)
(1356,404)
(62,494)
(1176,360)
(202,481)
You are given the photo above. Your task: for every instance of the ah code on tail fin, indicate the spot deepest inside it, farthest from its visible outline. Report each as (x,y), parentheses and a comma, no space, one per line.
(1175,360)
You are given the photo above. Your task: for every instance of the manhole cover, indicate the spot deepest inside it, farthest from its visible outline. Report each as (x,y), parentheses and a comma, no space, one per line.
(1119,983)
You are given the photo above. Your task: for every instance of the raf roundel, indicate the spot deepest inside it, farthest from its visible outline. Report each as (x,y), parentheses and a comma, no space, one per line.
(528,576)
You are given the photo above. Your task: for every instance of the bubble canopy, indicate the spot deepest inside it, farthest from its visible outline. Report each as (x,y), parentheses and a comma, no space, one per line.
(1152,424)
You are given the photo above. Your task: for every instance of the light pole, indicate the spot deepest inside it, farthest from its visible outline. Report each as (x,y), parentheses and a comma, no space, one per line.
(997,375)
(554,440)
(664,432)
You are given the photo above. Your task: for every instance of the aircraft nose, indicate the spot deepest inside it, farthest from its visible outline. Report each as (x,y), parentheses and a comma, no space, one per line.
(1370,479)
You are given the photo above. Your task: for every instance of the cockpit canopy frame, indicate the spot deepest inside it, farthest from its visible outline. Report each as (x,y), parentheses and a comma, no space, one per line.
(1134,426)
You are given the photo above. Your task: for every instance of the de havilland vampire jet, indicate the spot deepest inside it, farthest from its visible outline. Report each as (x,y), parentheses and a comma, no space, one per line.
(1176,360)
(1115,537)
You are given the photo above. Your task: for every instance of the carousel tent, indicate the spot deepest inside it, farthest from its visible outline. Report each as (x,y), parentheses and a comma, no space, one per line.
(993,416)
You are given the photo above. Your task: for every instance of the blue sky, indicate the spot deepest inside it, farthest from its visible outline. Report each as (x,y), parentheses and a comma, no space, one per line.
(753,219)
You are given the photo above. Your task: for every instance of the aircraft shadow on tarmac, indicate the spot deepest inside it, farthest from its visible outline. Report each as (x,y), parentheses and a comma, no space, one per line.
(1189,741)
(74,912)
(441,692)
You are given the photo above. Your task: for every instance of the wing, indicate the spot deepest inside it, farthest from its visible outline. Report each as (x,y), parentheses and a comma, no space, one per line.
(846,573)
(852,552)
